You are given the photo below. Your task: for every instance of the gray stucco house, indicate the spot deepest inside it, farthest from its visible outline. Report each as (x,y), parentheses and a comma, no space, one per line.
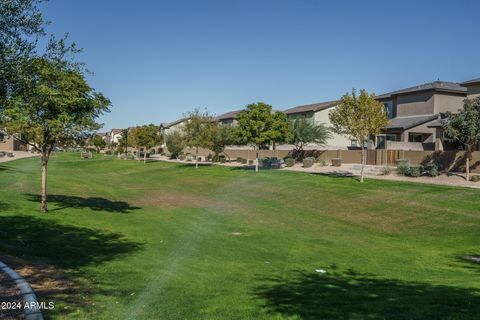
(414,115)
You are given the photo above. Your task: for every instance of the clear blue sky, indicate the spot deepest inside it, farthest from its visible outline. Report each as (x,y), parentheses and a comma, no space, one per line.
(159,59)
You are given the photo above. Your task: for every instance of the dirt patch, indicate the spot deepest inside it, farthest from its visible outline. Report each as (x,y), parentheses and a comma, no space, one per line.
(48,283)
(12,297)
(168,199)
(171,200)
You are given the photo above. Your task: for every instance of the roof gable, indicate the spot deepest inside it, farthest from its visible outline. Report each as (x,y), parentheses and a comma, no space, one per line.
(315,107)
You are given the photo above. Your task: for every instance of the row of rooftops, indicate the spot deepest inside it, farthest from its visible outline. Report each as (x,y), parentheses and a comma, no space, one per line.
(438,86)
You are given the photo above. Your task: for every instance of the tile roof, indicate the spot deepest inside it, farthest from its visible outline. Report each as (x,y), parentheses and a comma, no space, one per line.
(443,86)
(167,125)
(473,81)
(404,123)
(116,131)
(228,115)
(311,107)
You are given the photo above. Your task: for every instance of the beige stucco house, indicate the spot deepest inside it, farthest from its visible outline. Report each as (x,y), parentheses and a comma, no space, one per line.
(319,113)
(10,143)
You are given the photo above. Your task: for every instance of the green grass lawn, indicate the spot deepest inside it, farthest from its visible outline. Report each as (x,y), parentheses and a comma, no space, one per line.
(168,241)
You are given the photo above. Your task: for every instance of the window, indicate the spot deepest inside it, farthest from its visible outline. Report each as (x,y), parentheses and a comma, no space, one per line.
(389,108)
(415,137)
(354,143)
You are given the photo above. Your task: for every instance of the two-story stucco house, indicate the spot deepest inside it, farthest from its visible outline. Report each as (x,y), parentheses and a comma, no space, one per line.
(414,115)
(319,113)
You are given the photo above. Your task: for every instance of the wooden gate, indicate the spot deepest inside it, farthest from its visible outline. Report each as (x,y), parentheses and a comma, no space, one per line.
(392,157)
(371,157)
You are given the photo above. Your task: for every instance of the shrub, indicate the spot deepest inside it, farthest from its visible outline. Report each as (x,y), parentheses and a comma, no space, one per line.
(323,163)
(431,169)
(289,162)
(130,156)
(308,162)
(241,160)
(416,171)
(403,169)
(386,171)
(475,178)
(403,162)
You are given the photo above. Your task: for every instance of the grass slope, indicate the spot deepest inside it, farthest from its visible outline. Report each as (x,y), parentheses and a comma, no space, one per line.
(167,241)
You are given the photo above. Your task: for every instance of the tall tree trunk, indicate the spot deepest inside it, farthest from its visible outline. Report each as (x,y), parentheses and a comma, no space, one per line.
(145,156)
(363,162)
(196,157)
(44,181)
(467,162)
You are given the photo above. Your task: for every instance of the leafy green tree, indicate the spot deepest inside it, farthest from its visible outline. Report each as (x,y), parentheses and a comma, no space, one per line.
(21,23)
(53,106)
(98,142)
(147,137)
(222,136)
(198,131)
(359,116)
(259,126)
(464,127)
(305,131)
(175,142)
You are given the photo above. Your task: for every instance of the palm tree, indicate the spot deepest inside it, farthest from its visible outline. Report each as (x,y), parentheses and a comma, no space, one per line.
(306,131)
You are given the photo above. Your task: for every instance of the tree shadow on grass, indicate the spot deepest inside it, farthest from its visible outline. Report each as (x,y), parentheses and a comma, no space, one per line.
(363,296)
(50,256)
(92,203)
(60,245)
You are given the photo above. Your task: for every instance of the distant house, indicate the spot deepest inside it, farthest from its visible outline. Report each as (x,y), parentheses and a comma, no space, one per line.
(319,113)
(115,136)
(473,88)
(228,118)
(414,115)
(11,143)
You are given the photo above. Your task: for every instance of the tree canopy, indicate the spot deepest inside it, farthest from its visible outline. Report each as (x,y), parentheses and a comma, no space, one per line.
(198,130)
(21,23)
(464,127)
(147,137)
(54,105)
(359,116)
(259,125)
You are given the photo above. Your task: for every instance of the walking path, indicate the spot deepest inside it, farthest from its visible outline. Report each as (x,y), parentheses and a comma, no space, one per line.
(17,155)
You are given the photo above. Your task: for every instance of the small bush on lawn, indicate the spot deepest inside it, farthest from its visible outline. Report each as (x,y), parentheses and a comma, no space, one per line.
(289,162)
(308,162)
(386,171)
(475,178)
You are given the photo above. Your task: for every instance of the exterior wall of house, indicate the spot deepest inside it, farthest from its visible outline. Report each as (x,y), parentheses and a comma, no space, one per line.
(448,102)
(337,140)
(428,133)
(414,104)
(11,144)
